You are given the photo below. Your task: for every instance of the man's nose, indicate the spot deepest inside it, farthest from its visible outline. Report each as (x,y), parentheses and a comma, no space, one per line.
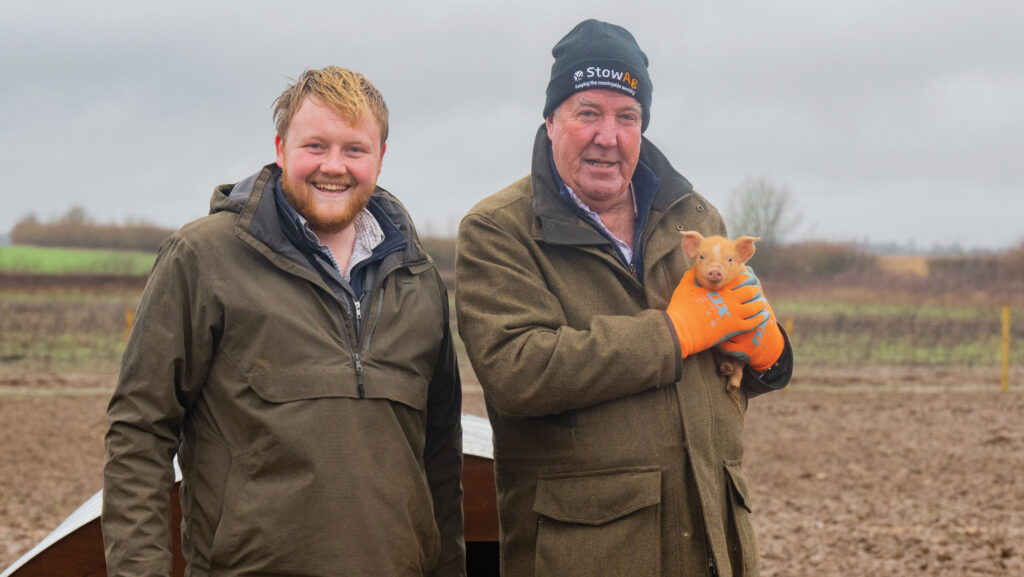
(605,134)
(333,163)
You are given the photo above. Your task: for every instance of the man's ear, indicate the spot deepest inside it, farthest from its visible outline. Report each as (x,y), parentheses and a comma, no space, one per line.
(279,147)
(691,242)
(549,122)
(745,247)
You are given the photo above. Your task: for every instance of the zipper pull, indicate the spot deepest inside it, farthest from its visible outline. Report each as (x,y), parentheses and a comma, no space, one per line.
(359,377)
(359,314)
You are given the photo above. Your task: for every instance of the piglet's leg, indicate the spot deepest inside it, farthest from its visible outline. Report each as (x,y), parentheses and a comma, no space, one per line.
(734,370)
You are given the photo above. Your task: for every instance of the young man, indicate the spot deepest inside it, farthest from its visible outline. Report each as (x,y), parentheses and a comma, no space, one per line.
(617,449)
(293,348)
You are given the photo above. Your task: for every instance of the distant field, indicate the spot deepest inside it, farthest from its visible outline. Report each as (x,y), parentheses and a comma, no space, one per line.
(63,261)
(64,330)
(77,323)
(911,265)
(837,333)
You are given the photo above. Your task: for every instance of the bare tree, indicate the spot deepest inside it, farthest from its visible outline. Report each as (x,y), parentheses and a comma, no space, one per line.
(76,215)
(759,207)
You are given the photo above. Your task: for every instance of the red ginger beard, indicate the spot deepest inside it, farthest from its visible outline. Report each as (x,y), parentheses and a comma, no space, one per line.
(323,217)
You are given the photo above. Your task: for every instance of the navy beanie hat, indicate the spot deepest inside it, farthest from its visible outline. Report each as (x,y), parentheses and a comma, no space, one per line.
(599,55)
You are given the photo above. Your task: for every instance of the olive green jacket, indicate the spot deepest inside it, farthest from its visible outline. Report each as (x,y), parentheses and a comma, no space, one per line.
(613,455)
(308,445)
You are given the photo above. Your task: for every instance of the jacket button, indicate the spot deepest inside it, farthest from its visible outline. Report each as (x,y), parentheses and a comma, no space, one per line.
(686,534)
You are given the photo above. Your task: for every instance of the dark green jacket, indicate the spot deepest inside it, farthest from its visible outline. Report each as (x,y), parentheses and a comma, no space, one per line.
(308,446)
(613,455)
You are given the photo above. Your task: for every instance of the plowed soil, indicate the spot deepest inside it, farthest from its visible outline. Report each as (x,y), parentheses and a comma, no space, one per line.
(871,479)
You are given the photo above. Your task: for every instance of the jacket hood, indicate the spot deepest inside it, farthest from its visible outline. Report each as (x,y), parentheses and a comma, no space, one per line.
(232,197)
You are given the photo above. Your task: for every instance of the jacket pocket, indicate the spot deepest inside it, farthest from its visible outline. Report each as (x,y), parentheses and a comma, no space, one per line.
(287,386)
(599,523)
(738,481)
(745,555)
(202,495)
(244,522)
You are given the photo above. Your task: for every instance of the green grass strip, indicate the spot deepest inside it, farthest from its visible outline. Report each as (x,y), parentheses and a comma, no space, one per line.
(40,260)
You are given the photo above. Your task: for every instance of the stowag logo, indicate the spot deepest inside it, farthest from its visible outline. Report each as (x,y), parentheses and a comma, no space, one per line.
(607,73)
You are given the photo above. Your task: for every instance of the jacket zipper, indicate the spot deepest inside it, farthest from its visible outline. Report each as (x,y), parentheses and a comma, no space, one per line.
(354,350)
(372,324)
(355,353)
(359,376)
(366,336)
(383,274)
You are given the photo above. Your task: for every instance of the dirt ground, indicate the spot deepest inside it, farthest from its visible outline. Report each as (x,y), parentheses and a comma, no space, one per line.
(883,483)
(864,479)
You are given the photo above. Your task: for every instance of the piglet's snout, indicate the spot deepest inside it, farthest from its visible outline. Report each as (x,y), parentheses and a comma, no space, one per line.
(714,275)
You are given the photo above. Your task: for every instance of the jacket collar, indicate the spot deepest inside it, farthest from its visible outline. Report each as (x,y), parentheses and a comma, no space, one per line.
(558,223)
(261,224)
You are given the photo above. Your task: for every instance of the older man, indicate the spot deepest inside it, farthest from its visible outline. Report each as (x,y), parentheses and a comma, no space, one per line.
(617,449)
(293,348)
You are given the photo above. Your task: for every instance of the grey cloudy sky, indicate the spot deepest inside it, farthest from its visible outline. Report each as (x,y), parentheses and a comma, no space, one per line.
(888,121)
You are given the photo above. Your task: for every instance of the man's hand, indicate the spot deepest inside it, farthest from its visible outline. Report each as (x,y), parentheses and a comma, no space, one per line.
(704,318)
(759,348)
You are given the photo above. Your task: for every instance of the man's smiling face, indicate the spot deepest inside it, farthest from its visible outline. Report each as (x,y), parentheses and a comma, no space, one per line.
(595,138)
(330,165)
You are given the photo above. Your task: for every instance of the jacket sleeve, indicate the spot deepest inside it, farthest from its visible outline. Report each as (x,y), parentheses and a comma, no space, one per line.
(442,457)
(528,359)
(163,368)
(775,378)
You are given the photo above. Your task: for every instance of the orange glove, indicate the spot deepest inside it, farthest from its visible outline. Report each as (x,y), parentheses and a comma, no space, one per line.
(704,318)
(759,348)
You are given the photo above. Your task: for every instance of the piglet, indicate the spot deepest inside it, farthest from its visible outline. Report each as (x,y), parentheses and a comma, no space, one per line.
(716,262)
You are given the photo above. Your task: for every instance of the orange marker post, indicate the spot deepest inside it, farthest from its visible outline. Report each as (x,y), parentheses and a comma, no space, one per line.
(1006,349)
(129,320)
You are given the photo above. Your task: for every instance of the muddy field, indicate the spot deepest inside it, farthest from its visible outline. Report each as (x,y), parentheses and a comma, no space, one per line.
(845,481)
(898,470)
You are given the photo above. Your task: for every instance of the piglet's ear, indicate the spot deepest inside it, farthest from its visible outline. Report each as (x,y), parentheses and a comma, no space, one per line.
(745,247)
(691,242)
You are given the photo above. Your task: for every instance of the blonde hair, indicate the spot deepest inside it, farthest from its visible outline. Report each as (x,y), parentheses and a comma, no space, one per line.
(349,94)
